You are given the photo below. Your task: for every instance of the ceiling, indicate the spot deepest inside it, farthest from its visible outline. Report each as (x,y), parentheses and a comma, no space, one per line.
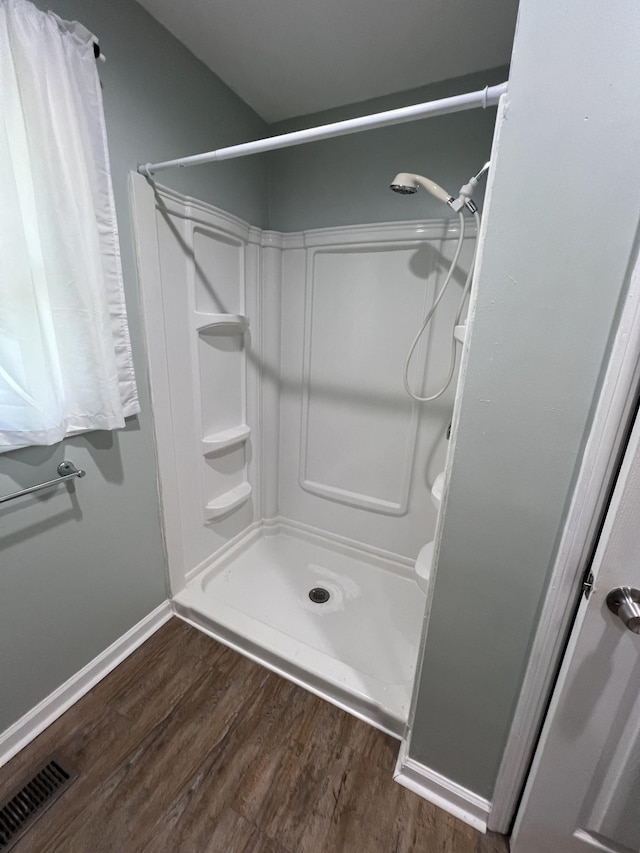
(292,57)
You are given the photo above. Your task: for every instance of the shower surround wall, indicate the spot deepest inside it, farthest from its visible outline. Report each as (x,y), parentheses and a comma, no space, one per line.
(287,444)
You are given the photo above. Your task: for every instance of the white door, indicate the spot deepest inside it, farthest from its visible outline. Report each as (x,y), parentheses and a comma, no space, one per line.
(583,793)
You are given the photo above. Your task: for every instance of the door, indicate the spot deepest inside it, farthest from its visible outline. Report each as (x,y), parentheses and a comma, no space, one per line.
(583,792)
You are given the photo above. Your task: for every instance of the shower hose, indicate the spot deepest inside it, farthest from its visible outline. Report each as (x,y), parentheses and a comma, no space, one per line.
(433,309)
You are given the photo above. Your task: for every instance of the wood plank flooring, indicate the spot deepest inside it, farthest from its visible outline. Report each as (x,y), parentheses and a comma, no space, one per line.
(187,747)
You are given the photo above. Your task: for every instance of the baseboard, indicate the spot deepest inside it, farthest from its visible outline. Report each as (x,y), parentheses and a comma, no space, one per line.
(442,792)
(53,706)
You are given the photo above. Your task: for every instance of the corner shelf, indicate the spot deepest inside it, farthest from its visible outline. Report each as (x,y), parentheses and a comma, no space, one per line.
(227,502)
(225,323)
(219,441)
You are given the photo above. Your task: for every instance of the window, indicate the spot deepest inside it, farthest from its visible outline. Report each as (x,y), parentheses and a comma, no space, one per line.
(65,354)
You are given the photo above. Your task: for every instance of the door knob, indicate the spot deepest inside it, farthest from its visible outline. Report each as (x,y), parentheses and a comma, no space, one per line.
(624,601)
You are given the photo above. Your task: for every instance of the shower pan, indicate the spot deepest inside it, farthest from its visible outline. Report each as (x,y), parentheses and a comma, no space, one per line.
(339,620)
(296,474)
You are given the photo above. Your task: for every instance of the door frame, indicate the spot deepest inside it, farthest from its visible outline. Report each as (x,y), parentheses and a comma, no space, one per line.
(573,758)
(603,449)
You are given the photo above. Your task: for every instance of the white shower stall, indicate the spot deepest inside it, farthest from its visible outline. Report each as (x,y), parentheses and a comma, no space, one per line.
(299,482)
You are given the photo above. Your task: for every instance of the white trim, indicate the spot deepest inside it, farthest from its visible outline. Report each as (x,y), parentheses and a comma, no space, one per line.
(360,236)
(200,212)
(442,792)
(35,721)
(615,406)
(143,208)
(371,234)
(462,374)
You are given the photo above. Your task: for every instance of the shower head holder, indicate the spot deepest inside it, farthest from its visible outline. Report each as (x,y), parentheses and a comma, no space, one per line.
(466,191)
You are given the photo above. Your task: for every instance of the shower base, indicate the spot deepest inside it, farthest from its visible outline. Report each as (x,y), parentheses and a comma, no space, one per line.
(358,649)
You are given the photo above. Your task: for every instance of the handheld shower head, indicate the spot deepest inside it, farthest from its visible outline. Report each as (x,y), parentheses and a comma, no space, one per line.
(407,184)
(399,186)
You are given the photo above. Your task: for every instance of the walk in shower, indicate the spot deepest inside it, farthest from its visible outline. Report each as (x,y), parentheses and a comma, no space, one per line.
(296,473)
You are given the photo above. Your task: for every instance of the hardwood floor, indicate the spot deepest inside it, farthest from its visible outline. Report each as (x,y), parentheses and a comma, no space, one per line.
(189,747)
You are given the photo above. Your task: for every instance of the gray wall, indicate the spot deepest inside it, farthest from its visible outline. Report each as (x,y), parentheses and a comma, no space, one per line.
(346,180)
(561,227)
(77,572)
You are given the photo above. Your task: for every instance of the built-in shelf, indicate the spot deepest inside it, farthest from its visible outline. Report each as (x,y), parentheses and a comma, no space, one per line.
(229,323)
(227,502)
(459,332)
(219,441)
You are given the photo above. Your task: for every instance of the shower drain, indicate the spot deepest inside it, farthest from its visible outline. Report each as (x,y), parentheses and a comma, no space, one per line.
(319,595)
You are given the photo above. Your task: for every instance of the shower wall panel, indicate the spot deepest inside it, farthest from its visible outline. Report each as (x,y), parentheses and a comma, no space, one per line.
(352,405)
(357,455)
(206,279)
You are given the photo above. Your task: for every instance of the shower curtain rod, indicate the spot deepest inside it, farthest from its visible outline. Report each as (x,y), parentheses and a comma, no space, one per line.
(487,97)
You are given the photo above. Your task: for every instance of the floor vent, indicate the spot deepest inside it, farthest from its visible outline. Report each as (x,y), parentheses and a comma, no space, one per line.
(32,801)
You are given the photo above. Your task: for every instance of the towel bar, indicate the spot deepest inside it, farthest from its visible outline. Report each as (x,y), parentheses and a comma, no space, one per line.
(66,471)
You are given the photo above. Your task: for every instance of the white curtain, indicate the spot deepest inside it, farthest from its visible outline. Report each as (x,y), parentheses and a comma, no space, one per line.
(65,355)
